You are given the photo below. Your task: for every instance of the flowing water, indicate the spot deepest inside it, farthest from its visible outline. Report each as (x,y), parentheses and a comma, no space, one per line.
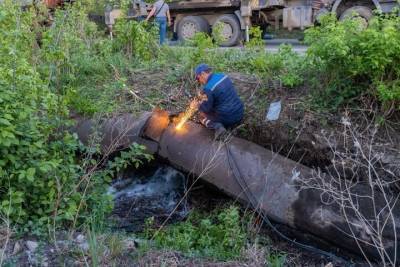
(157,193)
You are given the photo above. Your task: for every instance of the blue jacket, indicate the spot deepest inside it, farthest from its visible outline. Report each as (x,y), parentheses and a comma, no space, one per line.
(223,101)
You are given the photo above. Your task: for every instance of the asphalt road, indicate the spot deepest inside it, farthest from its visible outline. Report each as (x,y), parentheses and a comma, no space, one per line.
(273,45)
(273,48)
(270,45)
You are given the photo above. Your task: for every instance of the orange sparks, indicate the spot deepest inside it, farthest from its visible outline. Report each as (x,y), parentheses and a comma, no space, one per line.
(184,117)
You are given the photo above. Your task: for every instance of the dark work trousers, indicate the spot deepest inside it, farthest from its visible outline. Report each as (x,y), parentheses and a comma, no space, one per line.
(210,121)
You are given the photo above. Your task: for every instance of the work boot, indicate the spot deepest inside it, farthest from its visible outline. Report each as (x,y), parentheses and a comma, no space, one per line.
(219,132)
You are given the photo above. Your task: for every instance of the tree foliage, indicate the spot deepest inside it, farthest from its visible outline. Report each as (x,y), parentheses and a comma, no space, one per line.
(37,162)
(354,60)
(42,181)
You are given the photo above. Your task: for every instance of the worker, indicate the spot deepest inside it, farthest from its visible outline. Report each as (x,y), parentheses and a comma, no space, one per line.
(220,107)
(160,11)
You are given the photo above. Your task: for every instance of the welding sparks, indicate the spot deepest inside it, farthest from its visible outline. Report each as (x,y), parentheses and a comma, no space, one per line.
(184,117)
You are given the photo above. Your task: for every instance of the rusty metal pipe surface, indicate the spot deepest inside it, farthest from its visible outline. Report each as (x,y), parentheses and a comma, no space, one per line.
(273,181)
(115,133)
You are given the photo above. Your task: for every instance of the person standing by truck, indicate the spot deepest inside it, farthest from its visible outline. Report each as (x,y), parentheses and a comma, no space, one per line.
(160,11)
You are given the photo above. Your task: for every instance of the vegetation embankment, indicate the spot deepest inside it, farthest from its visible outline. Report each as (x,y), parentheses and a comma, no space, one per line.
(50,182)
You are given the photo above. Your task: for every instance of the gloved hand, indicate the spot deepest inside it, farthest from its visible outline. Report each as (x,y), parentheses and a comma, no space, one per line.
(194,104)
(202,97)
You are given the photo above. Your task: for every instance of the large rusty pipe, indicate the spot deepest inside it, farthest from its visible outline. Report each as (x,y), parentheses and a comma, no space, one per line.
(115,133)
(272,180)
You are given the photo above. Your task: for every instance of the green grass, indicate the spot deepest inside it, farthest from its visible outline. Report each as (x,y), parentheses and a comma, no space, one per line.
(219,236)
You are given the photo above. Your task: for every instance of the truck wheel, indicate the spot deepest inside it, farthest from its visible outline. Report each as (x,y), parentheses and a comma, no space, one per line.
(190,25)
(231,32)
(362,12)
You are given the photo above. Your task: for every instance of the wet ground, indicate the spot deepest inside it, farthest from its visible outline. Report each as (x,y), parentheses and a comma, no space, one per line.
(157,191)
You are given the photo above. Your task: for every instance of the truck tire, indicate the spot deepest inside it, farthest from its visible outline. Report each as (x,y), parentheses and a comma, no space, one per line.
(231,32)
(357,11)
(190,25)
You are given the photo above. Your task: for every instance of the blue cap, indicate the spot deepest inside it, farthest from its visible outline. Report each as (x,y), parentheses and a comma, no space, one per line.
(200,68)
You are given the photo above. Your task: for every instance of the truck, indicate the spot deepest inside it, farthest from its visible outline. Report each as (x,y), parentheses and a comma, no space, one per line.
(237,16)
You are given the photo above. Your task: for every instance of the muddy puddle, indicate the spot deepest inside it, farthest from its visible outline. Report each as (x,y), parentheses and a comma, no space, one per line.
(155,192)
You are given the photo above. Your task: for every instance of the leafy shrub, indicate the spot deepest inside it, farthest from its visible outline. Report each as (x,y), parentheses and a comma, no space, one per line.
(219,236)
(217,33)
(134,156)
(277,260)
(68,50)
(37,162)
(41,179)
(292,74)
(74,57)
(86,67)
(203,44)
(256,40)
(354,60)
(285,66)
(138,39)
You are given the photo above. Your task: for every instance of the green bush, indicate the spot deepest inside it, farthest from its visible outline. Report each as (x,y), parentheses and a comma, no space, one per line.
(85,66)
(256,40)
(285,66)
(202,52)
(75,58)
(353,60)
(68,49)
(42,181)
(138,39)
(221,236)
(37,163)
